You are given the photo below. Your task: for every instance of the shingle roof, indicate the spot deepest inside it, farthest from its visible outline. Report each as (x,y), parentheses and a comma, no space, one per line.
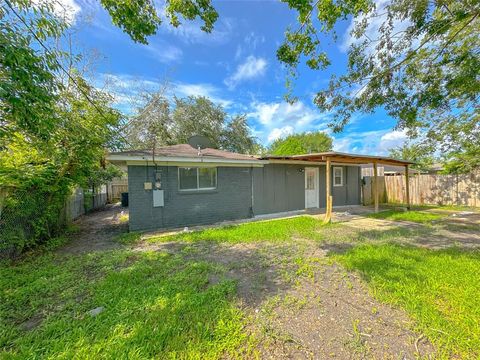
(185,150)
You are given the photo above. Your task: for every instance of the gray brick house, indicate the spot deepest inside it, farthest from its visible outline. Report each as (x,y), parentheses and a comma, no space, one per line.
(182,186)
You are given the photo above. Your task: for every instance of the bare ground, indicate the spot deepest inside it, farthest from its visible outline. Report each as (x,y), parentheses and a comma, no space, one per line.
(97,231)
(308,309)
(299,303)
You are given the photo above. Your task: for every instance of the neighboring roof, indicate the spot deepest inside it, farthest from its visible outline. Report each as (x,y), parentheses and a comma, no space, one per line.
(436,167)
(184,151)
(340,158)
(367,169)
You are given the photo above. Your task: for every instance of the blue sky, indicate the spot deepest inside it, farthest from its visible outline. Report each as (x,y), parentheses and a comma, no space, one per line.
(234,66)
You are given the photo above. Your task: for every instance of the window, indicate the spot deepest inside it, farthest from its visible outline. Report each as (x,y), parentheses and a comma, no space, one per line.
(310,179)
(337,176)
(194,178)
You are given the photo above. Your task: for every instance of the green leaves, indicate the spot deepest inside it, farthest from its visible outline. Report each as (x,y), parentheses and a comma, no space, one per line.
(417,60)
(141,19)
(158,124)
(302,143)
(53,135)
(138,18)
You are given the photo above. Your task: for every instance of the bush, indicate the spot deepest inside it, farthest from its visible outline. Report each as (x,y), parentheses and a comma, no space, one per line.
(30,218)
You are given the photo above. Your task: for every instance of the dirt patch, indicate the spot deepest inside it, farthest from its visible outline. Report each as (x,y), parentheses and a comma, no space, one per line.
(333,316)
(303,306)
(32,323)
(97,231)
(445,233)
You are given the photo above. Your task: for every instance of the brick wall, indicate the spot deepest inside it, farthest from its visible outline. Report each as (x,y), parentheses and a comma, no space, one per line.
(231,200)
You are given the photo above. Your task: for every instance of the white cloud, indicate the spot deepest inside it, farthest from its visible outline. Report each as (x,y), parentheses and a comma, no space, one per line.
(392,140)
(276,119)
(66,10)
(249,44)
(162,51)
(265,112)
(252,68)
(280,132)
(127,90)
(376,142)
(190,32)
(208,90)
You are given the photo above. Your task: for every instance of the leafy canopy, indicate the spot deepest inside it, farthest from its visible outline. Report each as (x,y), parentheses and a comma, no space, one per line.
(54,129)
(421,155)
(140,18)
(161,123)
(418,60)
(303,143)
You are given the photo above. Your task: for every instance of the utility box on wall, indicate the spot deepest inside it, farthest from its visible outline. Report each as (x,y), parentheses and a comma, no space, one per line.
(158,198)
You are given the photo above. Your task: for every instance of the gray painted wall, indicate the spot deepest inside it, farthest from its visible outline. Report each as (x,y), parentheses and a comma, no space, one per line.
(276,188)
(349,193)
(231,200)
(280,187)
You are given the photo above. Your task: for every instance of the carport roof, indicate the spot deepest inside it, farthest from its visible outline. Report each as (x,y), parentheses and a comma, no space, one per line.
(339,157)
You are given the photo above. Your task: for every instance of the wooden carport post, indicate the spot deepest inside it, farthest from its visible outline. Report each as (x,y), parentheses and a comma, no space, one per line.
(375,186)
(407,186)
(328,180)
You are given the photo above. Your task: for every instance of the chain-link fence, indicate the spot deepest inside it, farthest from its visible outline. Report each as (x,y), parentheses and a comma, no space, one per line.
(28,217)
(19,211)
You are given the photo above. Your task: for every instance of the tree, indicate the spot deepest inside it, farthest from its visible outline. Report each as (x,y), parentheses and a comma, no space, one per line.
(53,130)
(140,18)
(236,136)
(421,155)
(418,60)
(465,159)
(303,143)
(197,115)
(150,127)
(158,123)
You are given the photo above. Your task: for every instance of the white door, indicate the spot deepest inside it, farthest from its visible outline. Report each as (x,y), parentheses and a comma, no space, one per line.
(311,187)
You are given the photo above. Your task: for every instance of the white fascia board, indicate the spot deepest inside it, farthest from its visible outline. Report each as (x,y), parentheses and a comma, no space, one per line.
(178,160)
(307,163)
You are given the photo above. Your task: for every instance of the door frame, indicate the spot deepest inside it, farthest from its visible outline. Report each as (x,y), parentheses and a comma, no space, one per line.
(317,186)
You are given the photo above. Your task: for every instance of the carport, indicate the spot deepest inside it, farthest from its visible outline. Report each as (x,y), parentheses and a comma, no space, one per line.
(338,158)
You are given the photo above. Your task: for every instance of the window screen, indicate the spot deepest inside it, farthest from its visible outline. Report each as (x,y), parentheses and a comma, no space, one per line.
(337,176)
(310,180)
(187,178)
(207,178)
(193,178)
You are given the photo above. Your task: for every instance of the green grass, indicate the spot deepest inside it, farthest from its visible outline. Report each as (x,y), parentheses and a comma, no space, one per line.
(414,216)
(163,305)
(439,289)
(272,230)
(436,207)
(129,238)
(156,305)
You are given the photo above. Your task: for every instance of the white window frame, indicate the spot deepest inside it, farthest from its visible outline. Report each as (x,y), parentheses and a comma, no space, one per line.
(198,188)
(341,175)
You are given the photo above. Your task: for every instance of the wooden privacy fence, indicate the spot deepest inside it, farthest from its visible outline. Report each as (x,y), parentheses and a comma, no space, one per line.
(115,188)
(426,189)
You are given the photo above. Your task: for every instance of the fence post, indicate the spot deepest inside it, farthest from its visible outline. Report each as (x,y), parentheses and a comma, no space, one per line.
(407,186)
